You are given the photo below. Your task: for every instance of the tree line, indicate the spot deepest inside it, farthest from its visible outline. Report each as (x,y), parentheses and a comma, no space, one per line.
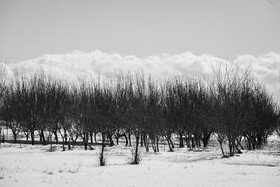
(230,105)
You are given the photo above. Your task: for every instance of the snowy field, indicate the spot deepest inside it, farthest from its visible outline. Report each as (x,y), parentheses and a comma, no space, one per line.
(28,165)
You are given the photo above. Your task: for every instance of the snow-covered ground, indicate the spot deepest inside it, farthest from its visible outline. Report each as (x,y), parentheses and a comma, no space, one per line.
(28,165)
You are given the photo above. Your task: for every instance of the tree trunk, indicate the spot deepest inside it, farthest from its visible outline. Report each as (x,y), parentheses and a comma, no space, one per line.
(181,141)
(172,144)
(126,140)
(248,142)
(43,140)
(56,137)
(154,145)
(15,136)
(187,140)
(146,143)
(32,137)
(231,147)
(69,144)
(111,140)
(197,141)
(117,136)
(236,147)
(221,146)
(129,138)
(85,140)
(205,140)
(65,135)
(253,142)
(91,137)
(136,154)
(63,140)
(157,141)
(101,156)
(40,136)
(169,145)
(193,145)
(117,139)
(238,143)
(63,144)
(95,140)
(50,139)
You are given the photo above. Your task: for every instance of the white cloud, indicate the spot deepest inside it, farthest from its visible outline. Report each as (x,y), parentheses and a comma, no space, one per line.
(69,66)
(265,67)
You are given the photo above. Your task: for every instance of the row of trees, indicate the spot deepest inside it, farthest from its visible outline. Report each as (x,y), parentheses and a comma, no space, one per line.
(230,105)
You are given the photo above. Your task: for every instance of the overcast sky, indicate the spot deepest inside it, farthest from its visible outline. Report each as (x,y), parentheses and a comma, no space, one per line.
(224,28)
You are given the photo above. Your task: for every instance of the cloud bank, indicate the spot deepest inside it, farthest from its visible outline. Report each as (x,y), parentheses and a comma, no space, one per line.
(69,66)
(266,68)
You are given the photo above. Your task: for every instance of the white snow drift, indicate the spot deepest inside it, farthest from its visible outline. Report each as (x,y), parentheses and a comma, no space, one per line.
(28,165)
